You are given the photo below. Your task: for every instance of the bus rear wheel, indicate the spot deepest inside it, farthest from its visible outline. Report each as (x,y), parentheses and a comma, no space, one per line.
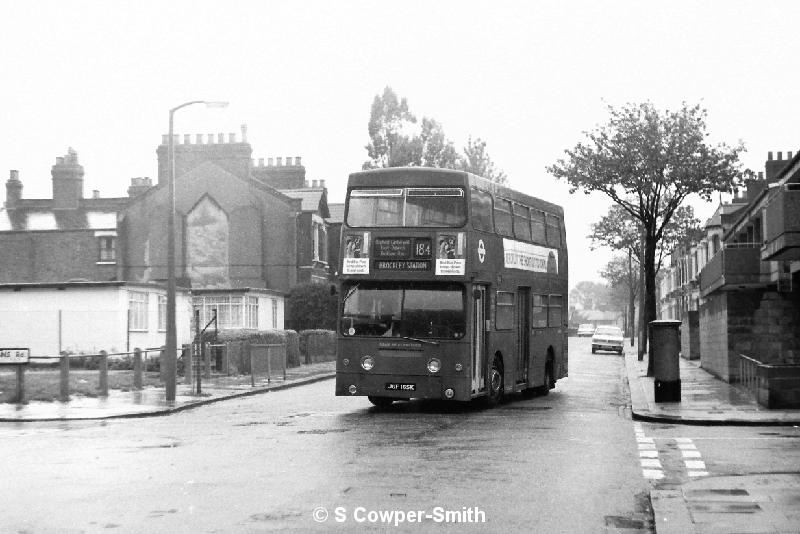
(495,389)
(380,402)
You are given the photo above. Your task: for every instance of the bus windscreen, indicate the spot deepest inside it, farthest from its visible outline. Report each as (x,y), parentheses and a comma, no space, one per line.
(405,309)
(406,207)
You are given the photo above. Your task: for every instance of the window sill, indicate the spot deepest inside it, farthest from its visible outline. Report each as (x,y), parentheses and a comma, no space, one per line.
(105,262)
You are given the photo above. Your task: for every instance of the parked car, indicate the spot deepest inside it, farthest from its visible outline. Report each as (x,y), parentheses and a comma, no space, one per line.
(607,338)
(585,330)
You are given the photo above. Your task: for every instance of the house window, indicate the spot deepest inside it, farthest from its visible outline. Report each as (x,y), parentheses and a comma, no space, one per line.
(233,311)
(137,310)
(251,313)
(274,313)
(108,250)
(162,313)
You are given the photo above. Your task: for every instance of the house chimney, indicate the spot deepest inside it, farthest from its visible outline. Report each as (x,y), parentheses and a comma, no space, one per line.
(95,193)
(773,167)
(322,184)
(13,190)
(67,176)
(297,161)
(139,186)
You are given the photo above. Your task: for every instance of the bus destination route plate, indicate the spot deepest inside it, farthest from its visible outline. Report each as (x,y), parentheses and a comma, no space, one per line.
(402,265)
(395,386)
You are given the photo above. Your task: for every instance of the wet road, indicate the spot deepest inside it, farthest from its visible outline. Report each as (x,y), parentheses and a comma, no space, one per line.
(566,462)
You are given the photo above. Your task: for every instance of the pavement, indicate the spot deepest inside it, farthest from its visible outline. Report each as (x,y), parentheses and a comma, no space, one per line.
(747,503)
(151,401)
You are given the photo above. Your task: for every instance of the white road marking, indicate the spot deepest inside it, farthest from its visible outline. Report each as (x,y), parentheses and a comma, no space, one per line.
(695,464)
(648,454)
(690,454)
(650,462)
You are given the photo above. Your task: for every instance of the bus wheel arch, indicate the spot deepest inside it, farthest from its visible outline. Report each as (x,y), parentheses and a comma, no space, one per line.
(495,383)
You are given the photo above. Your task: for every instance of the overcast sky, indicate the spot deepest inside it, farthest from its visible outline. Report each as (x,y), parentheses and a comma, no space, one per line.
(527,77)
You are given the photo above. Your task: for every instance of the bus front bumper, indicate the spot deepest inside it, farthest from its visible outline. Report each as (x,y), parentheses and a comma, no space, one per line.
(402,386)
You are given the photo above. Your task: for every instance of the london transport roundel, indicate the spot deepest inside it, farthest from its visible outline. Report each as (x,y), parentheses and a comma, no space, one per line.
(481,250)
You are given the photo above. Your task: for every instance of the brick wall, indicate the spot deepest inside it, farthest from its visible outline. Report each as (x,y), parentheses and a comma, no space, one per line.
(31,257)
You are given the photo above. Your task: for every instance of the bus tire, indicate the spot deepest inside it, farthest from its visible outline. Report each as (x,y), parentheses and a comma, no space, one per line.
(494,393)
(380,402)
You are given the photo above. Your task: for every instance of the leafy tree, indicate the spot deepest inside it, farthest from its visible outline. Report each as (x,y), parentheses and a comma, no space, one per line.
(310,306)
(389,122)
(622,274)
(393,142)
(477,161)
(648,162)
(589,295)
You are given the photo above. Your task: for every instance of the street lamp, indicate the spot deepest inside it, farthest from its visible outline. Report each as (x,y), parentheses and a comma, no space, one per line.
(171,345)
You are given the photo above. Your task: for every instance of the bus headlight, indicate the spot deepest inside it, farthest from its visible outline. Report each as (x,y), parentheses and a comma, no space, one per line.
(434,365)
(459,367)
(449,393)
(346,362)
(367,363)
(352,389)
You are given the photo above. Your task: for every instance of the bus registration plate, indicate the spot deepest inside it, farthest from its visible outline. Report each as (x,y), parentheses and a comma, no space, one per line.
(394,386)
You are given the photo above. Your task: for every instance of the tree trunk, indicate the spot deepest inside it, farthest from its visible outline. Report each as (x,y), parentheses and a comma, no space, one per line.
(649,309)
(631,320)
(642,319)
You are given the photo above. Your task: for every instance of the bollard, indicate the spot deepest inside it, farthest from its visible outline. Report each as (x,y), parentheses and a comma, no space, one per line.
(137,368)
(252,366)
(188,364)
(63,395)
(20,384)
(103,368)
(665,349)
(206,360)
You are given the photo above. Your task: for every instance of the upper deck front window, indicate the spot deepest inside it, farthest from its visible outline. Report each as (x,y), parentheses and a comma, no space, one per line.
(406,207)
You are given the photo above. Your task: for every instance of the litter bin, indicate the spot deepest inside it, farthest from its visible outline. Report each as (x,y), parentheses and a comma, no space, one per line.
(665,344)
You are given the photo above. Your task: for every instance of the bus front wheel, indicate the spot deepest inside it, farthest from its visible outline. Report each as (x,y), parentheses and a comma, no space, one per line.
(495,392)
(380,402)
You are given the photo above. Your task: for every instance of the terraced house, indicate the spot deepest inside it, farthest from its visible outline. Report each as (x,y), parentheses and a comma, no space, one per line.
(737,291)
(246,232)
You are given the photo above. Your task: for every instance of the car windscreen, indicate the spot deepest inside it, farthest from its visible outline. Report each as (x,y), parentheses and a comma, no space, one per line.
(608,331)
(404,309)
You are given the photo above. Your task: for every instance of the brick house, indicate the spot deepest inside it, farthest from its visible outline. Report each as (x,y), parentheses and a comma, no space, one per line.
(245,233)
(746,294)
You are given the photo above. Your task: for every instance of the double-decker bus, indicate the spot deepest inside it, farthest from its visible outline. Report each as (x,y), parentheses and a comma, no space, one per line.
(450,287)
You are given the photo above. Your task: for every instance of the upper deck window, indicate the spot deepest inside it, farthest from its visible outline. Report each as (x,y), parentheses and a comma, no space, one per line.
(482,210)
(406,207)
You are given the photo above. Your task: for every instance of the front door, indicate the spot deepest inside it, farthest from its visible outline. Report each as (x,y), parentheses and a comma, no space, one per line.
(478,338)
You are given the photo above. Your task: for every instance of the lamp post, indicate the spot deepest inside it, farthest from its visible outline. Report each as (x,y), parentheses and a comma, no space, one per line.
(171,345)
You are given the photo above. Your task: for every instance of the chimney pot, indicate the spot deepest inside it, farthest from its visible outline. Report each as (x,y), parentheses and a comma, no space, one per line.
(165,139)
(306,184)
(199,139)
(95,193)
(322,184)
(176,139)
(244,133)
(260,162)
(210,139)
(220,138)
(761,175)
(780,156)
(231,137)
(789,155)
(14,175)
(289,161)
(269,162)
(280,162)
(297,161)
(769,156)
(187,139)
